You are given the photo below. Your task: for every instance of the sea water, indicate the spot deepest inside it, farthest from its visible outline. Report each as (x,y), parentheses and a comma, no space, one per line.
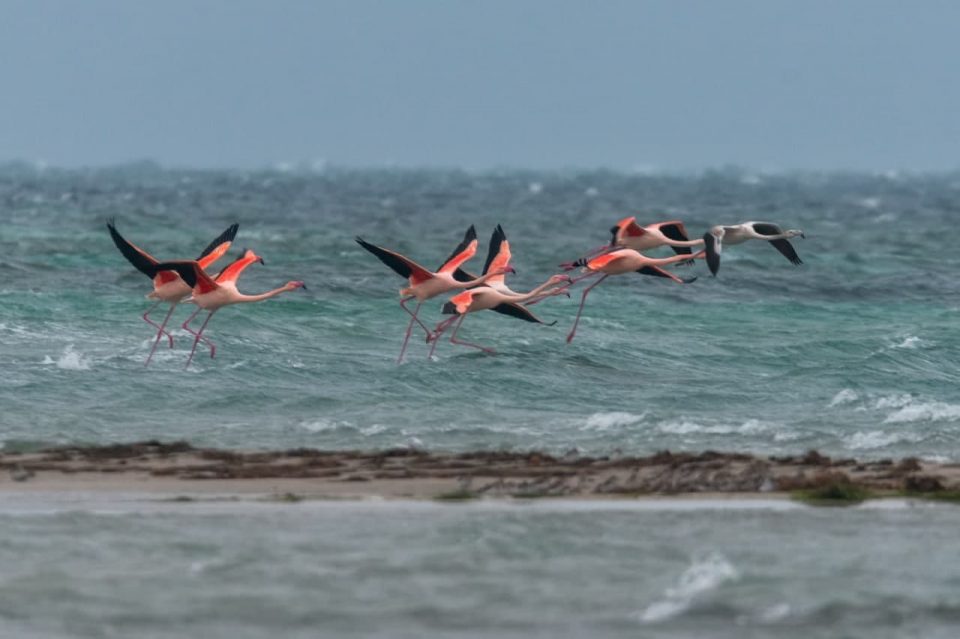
(855,353)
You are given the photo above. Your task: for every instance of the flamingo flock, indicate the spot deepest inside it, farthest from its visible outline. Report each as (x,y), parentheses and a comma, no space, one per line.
(179,281)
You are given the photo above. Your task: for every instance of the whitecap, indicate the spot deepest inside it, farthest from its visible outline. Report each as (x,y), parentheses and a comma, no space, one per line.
(687,427)
(893,401)
(535,187)
(703,575)
(69,360)
(322,425)
(924,412)
(606,421)
(869,440)
(870,203)
(845,396)
(911,341)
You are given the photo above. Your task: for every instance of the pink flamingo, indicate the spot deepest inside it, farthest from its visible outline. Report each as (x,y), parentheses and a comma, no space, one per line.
(628,234)
(211,294)
(498,259)
(486,297)
(168,286)
(425,284)
(625,261)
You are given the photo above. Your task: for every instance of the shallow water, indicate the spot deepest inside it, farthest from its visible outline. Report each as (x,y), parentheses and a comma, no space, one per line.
(854,353)
(551,569)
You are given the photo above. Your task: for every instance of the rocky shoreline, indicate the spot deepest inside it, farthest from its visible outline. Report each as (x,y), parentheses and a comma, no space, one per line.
(411,473)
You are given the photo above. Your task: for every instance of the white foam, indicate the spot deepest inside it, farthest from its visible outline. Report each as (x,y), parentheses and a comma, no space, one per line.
(868,440)
(705,574)
(870,203)
(845,396)
(69,360)
(322,425)
(535,188)
(924,412)
(591,192)
(893,401)
(687,427)
(911,342)
(606,421)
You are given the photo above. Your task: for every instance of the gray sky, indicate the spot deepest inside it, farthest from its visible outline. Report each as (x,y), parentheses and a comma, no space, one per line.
(865,84)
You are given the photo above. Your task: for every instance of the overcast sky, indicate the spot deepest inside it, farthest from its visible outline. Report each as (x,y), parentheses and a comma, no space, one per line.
(865,84)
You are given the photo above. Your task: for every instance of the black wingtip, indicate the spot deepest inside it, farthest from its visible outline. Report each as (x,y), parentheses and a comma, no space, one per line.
(471,234)
(449,309)
(713,257)
(689,280)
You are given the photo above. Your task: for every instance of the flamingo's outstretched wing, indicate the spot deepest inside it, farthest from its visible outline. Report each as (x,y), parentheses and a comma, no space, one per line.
(787,250)
(520,312)
(627,227)
(191,272)
(656,271)
(466,249)
(677,232)
(600,261)
(141,260)
(402,266)
(231,272)
(713,246)
(218,247)
(498,257)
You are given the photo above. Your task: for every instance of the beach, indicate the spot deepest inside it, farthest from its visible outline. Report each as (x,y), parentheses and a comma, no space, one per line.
(178,468)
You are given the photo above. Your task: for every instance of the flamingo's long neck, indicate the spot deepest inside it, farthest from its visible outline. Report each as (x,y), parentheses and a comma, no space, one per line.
(685,242)
(480,280)
(523,297)
(660,261)
(240,298)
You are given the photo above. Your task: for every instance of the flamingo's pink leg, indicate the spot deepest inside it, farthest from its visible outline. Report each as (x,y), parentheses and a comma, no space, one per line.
(406,338)
(569,266)
(160,333)
(573,331)
(441,327)
(454,340)
(413,314)
(159,327)
(199,336)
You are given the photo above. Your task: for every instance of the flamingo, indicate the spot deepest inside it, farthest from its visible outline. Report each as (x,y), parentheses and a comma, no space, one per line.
(625,261)
(425,284)
(498,258)
(168,286)
(717,236)
(628,234)
(486,297)
(211,294)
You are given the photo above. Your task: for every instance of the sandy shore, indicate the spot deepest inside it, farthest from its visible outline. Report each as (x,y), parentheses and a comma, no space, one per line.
(180,469)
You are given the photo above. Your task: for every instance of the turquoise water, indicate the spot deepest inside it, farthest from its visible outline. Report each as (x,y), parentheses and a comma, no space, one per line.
(854,353)
(79,568)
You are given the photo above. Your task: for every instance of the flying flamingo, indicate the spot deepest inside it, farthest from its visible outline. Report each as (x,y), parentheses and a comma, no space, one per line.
(211,294)
(498,258)
(425,284)
(168,286)
(625,261)
(628,234)
(740,233)
(486,297)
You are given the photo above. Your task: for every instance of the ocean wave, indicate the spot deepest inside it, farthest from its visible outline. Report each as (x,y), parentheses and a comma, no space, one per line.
(616,419)
(924,412)
(687,427)
(870,440)
(69,360)
(845,396)
(704,574)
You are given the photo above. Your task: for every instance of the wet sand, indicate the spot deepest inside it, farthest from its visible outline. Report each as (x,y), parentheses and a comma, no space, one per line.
(178,468)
